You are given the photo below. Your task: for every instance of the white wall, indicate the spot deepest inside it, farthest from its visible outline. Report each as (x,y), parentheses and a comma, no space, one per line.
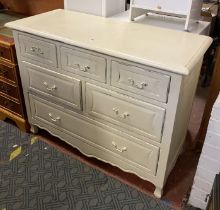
(209,162)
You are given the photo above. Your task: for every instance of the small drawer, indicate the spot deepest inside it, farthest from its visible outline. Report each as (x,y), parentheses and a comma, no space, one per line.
(8,71)
(42,51)
(143,118)
(10,105)
(143,157)
(7,52)
(65,89)
(10,90)
(84,64)
(140,81)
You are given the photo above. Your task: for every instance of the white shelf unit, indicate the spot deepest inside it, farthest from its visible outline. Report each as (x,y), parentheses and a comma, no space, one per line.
(190,10)
(103,8)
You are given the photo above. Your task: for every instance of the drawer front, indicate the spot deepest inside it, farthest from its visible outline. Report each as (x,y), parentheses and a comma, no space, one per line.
(10,105)
(139,117)
(8,72)
(140,81)
(10,90)
(38,50)
(64,88)
(145,156)
(7,52)
(84,64)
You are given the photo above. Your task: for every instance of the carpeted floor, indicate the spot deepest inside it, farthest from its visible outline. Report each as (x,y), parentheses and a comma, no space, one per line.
(43,178)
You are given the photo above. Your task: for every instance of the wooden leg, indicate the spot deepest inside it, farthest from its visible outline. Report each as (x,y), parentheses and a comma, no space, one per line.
(21,123)
(34,129)
(158,192)
(24,126)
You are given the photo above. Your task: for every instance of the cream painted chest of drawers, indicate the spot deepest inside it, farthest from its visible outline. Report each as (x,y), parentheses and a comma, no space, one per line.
(120,92)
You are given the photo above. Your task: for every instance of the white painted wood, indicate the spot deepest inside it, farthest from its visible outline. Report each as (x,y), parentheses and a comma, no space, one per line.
(187,93)
(34,129)
(83,63)
(140,81)
(190,10)
(173,62)
(162,21)
(96,7)
(135,42)
(134,115)
(38,50)
(194,15)
(163,6)
(144,157)
(54,86)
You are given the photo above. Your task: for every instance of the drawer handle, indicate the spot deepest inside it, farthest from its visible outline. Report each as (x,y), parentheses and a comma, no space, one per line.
(123,149)
(123,115)
(52,88)
(137,85)
(159,7)
(37,50)
(82,68)
(85,68)
(54,119)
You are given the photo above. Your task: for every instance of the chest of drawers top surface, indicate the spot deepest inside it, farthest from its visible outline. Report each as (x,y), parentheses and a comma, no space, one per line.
(126,88)
(162,48)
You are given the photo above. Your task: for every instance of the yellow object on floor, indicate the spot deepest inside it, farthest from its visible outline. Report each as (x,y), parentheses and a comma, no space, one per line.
(15,153)
(34,139)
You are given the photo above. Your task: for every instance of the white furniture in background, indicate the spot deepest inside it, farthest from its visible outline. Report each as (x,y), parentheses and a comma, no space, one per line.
(103,8)
(189,10)
(169,22)
(117,91)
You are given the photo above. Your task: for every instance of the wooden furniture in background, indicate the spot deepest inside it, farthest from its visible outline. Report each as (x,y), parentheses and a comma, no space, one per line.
(213,93)
(32,7)
(11,97)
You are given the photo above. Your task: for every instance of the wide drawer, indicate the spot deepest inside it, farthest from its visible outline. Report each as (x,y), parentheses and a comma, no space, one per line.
(144,157)
(8,71)
(65,89)
(10,105)
(140,81)
(84,64)
(42,51)
(140,117)
(10,90)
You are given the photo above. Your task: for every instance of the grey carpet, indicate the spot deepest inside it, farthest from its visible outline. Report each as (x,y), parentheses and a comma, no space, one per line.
(43,178)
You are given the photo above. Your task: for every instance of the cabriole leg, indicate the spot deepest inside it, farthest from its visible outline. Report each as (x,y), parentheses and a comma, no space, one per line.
(34,129)
(158,192)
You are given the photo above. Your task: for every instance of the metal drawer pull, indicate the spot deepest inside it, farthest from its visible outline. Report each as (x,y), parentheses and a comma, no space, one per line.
(123,149)
(33,49)
(116,110)
(82,68)
(85,68)
(159,7)
(52,88)
(37,50)
(137,85)
(123,116)
(54,119)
